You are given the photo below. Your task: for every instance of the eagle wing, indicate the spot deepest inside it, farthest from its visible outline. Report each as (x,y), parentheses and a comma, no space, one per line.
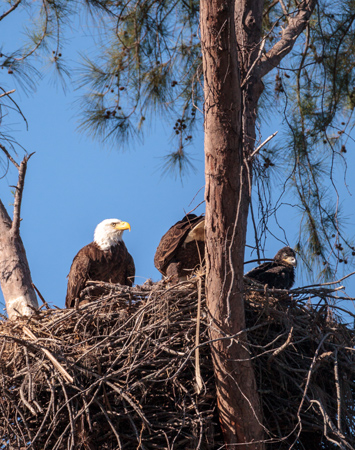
(130,270)
(79,273)
(172,240)
(274,274)
(261,272)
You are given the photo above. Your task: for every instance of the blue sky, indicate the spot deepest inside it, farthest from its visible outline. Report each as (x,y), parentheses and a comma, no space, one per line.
(73,183)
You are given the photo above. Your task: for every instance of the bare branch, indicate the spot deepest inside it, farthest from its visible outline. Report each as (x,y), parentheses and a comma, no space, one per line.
(18,196)
(284,9)
(55,363)
(13,7)
(263,144)
(248,75)
(328,283)
(40,295)
(289,35)
(337,385)
(10,158)
(7,93)
(199,381)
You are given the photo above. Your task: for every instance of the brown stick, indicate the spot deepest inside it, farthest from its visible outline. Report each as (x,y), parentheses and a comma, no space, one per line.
(18,196)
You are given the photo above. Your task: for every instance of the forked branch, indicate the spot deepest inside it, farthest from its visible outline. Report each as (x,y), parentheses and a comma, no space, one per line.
(18,195)
(15,275)
(294,28)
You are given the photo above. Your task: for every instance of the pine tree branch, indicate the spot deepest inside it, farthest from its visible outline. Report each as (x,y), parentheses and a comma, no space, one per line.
(18,196)
(7,94)
(294,28)
(13,7)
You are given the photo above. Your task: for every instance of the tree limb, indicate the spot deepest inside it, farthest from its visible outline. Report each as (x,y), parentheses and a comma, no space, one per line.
(18,196)
(262,145)
(7,93)
(9,157)
(284,9)
(13,7)
(294,28)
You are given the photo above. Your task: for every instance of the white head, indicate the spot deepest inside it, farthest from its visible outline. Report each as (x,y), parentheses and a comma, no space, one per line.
(109,232)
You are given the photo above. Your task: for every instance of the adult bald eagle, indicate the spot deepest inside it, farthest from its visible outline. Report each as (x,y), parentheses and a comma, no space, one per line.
(182,248)
(105,259)
(279,273)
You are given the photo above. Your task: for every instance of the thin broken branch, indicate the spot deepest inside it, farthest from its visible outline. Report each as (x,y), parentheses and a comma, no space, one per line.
(18,195)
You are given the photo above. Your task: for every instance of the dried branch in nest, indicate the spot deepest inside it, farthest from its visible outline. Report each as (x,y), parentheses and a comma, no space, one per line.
(297,360)
(119,373)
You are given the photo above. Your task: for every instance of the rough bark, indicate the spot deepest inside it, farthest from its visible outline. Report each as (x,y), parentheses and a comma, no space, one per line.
(233,65)
(227,122)
(15,276)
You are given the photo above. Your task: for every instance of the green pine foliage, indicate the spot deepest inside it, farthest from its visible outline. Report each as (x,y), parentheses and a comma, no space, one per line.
(314,90)
(151,65)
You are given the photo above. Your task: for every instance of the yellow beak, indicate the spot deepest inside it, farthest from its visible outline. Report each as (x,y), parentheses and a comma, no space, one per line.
(123,226)
(291,260)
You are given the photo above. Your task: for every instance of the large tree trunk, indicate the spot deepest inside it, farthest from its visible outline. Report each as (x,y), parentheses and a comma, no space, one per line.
(234,65)
(229,139)
(15,275)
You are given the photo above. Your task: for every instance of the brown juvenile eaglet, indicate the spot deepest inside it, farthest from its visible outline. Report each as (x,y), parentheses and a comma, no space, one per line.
(105,259)
(279,273)
(182,248)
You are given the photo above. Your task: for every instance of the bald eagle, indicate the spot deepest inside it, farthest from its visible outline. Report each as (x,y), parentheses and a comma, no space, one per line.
(105,259)
(182,248)
(278,274)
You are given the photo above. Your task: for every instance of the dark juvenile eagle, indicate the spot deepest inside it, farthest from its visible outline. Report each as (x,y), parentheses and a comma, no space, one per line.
(105,259)
(279,273)
(182,248)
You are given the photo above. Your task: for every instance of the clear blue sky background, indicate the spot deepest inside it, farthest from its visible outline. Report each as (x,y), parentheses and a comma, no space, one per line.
(74,182)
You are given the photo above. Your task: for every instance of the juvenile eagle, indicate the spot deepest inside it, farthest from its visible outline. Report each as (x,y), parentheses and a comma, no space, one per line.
(182,248)
(279,273)
(105,259)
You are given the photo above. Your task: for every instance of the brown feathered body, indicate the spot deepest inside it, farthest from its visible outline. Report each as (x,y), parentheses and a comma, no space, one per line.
(278,274)
(114,265)
(182,248)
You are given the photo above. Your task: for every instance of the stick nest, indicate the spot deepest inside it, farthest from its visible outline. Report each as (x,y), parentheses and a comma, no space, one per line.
(120,373)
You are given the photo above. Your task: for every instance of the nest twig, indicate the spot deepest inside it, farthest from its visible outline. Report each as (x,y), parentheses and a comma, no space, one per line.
(120,373)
